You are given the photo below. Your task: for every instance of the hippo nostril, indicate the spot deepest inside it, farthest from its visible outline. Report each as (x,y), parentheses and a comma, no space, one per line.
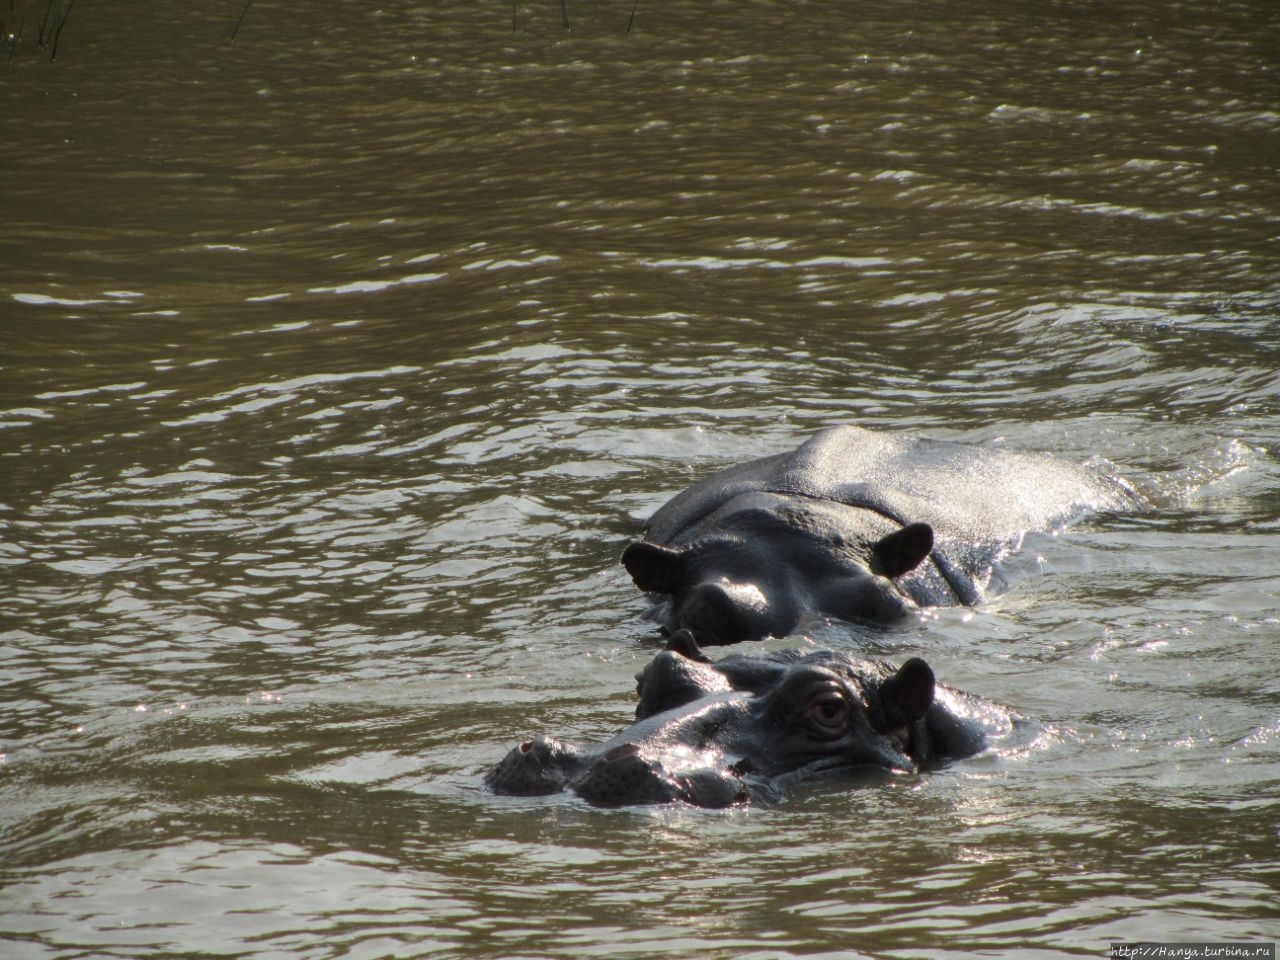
(742,767)
(621,752)
(539,750)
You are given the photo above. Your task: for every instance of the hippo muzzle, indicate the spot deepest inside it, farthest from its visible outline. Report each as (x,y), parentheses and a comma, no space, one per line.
(743,729)
(638,767)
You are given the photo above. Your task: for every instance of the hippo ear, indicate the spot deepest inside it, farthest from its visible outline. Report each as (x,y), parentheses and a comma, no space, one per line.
(902,551)
(684,643)
(654,568)
(908,694)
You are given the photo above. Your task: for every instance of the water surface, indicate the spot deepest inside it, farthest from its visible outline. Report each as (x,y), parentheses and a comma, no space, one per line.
(341,361)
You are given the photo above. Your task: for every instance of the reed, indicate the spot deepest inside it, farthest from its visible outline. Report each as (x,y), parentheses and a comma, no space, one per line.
(61,22)
(9,33)
(48,31)
(566,22)
(243,14)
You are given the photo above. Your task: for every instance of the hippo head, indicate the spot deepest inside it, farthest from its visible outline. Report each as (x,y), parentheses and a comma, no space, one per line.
(729,587)
(715,743)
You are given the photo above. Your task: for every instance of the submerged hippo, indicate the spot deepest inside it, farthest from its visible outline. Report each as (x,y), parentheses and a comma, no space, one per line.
(843,526)
(746,728)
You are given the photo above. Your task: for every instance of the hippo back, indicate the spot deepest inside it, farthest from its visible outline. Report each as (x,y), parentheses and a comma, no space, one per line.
(979,499)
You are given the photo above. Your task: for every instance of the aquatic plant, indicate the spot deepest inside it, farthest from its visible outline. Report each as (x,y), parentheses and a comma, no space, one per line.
(519,21)
(243,14)
(49,32)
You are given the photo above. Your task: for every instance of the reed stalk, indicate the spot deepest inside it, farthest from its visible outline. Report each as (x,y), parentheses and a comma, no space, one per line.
(243,14)
(48,31)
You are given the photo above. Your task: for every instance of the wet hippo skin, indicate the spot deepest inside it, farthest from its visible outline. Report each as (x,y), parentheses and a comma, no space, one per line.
(748,729)
(856,525)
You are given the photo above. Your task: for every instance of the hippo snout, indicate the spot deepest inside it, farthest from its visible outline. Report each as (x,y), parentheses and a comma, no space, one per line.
(536,767)
(624,775)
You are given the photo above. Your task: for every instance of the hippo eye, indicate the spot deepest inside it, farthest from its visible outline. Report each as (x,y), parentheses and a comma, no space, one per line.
(828,713)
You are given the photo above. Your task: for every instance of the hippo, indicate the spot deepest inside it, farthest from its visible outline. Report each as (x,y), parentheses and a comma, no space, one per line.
(747,729)
(855,525)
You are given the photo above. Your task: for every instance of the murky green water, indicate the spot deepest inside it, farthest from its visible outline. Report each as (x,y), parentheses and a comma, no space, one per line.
(340,362)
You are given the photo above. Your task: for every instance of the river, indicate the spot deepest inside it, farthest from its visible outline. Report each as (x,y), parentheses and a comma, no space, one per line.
(342,359)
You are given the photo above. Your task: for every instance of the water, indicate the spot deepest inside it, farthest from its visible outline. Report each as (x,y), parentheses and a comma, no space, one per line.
(341,361)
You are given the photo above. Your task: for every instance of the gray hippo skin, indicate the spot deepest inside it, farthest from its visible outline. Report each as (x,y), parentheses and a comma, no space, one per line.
(843,526)
(746,729)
